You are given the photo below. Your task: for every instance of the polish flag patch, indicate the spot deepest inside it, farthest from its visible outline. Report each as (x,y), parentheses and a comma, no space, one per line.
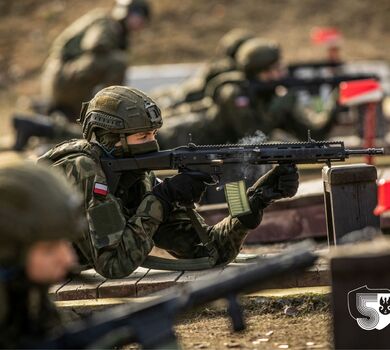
(100,189)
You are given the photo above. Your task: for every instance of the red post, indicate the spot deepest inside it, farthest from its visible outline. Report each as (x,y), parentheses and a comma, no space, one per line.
(370,128)
(366,92)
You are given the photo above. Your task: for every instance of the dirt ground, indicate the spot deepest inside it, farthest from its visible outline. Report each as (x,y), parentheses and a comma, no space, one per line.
(296,322)
(272,323)
(184,31)
(263,332)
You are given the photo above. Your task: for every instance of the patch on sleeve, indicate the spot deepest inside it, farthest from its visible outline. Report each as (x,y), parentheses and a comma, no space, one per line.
(106,223)
(241,101)
(100,189)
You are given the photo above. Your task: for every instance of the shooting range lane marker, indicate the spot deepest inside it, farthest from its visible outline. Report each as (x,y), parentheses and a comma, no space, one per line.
(102,302)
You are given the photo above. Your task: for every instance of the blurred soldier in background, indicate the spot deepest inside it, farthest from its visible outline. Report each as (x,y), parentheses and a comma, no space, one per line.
(91,54)
(39,213)
(142,211)
(238,110)
(193,90)
(87,56)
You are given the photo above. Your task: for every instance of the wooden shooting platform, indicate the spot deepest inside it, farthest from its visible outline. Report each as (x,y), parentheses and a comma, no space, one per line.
(143,282)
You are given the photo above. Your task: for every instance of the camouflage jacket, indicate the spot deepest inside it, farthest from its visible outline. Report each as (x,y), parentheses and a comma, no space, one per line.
(95,32)
(124,226)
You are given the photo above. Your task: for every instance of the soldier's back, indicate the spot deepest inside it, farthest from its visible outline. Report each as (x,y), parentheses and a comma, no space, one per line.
(68,44)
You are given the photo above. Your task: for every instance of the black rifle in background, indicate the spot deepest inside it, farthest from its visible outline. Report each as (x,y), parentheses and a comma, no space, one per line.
(313,65)
(259,87)
(151,324)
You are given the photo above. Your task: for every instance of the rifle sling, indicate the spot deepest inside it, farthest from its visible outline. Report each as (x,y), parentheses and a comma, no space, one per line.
(158,263)
(203,235)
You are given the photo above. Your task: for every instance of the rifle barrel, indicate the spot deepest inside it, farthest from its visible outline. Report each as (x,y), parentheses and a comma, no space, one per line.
(365,151)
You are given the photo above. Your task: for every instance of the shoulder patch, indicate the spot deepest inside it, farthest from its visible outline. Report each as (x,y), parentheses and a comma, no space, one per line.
(100,189)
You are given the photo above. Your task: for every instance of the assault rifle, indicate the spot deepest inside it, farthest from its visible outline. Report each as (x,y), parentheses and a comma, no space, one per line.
(215,157)
(313,65)
(151,323)
(256,86)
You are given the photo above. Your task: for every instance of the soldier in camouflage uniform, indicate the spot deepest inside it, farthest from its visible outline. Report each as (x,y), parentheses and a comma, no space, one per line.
(144,212)
(194,89)
(90,54)
(38,213)
(237,112)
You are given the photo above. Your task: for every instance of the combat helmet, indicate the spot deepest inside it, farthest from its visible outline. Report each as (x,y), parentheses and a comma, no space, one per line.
(231,41)
(256,55)
(118,111)
(36,204)
(123,7)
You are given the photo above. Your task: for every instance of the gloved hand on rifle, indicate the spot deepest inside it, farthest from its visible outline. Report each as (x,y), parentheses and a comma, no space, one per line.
(185,188)
(280,182)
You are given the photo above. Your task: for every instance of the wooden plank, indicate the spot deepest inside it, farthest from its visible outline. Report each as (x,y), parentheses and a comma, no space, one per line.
(291,292)
(122,288)
(101,302)
(351,197)
(156,280)
(316,276)
(190,276)
(83,286)
(285,282)
(56,287)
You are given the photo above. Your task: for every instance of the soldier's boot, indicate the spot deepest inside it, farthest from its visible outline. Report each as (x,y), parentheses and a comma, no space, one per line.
(27,127)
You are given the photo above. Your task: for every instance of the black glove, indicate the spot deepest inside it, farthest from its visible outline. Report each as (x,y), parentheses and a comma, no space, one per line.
(280,182)
(185,188)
